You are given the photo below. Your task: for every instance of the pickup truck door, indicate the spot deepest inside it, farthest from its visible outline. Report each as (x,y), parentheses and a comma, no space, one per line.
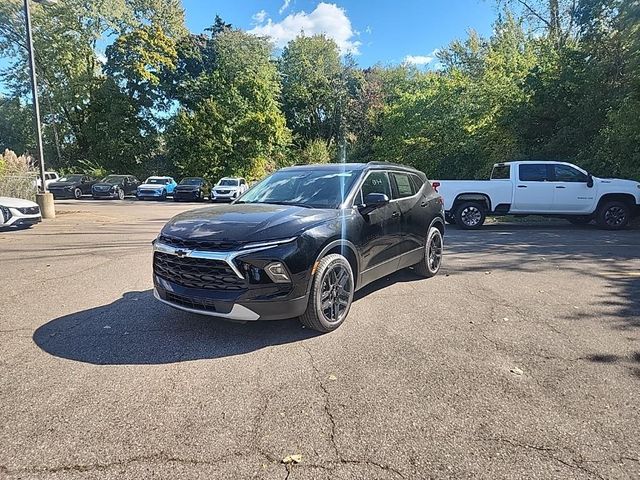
(532,189)
(572,195)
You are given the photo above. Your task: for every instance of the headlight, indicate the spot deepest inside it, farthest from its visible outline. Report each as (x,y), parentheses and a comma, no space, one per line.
(70,187)
(6,214)
(269,244)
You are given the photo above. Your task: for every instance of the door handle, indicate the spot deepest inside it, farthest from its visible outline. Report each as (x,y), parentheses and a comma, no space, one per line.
(560,186)
(522,186)
(424,204)
(395,214)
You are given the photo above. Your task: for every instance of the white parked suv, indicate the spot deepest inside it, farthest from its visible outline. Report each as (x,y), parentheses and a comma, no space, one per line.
(228,189)
(16,212)
(541,188)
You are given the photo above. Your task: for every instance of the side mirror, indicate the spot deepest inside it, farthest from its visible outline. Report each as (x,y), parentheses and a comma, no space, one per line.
(590,181)
(373,201)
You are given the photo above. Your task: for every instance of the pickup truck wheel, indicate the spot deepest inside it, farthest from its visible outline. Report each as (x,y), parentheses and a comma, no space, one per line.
(331,294)
(450,219)
(613,215)
(432,259)
(579,219)
(470,215)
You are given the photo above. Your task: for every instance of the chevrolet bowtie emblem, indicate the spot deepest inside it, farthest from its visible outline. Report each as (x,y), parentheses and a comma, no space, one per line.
(182,253)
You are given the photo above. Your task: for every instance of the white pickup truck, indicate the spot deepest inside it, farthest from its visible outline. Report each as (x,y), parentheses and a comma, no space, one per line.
(541,188)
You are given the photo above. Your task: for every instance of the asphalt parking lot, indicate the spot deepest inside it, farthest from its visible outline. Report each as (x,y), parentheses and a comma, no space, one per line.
(520,360)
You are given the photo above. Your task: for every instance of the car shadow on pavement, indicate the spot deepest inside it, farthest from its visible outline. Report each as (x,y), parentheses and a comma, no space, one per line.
(138,330)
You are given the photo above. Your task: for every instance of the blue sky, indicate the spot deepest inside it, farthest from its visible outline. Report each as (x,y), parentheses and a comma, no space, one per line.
(378,31)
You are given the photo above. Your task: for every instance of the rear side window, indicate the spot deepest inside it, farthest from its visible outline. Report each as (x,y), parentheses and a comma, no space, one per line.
(404,187)
(501,172)
(534,172)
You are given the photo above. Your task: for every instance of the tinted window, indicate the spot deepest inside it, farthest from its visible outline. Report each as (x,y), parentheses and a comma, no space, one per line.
(564,173)
(112,179)
(535,172)
(502,172)
(404,186)
(417,182)
(228,182)
(191,181)
(376,182)
(311,188)
(71,178)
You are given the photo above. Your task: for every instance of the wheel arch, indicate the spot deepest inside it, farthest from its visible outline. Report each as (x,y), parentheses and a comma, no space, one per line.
(472,197)
(345,248)
(626,198)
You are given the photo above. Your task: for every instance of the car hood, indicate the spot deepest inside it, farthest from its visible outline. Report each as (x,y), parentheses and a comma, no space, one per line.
(246,222)
(152,185)
(63,184)
(222,187)
(187,188)
(619,182)
(16,202)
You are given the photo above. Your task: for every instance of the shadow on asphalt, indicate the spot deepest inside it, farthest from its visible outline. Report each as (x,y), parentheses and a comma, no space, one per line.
(138,330)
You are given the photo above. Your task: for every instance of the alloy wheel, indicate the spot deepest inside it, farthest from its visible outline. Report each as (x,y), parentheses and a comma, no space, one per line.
(434,251)
(615,216)
(336,293)
(471,216)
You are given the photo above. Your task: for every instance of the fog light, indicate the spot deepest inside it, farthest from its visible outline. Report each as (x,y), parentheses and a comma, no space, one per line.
(277,273)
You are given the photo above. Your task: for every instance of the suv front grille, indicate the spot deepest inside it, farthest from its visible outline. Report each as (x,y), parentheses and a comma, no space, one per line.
(196,272)
(29,210)
(220,246)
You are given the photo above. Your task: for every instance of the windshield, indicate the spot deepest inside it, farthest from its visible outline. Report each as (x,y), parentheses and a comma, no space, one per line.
(228,182)
(156,181)
(307,188)
(71,178)
(191,181)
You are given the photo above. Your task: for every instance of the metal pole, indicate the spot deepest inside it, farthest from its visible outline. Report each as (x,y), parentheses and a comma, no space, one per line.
(34,88)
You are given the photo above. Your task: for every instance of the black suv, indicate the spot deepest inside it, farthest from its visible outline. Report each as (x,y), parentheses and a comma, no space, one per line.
(300,243)
(191,188)
(115,186)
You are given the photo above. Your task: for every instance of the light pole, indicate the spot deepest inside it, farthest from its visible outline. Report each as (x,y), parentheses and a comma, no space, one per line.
(44,198)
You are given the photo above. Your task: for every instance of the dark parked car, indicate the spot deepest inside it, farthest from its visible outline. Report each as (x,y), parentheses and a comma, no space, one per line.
(300,243)
(72,186)
(115,186)
(191,188)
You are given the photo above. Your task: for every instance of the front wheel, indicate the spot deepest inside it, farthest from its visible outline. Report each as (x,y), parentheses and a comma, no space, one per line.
(77,194)
(120,194)
(331,294)
(613,215)
(163,196)
(470,215)
(432,255)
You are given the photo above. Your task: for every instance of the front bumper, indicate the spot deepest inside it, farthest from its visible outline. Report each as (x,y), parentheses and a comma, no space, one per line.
(224,197)
(231,291)
(149,194)
(19,219)
(61,193)
(186,195)
(109,194)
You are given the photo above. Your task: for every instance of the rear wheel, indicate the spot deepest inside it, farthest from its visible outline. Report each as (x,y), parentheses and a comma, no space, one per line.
(331,294)
(470,215)
(432,255)
(613,215)
(77,194)
(120,194)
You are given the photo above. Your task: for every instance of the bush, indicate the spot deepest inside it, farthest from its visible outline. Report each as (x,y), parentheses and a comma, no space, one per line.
(17,176)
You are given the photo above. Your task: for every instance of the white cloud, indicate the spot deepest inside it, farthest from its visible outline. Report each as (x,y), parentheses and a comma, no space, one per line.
(260,16)
(284,6)
(327,18)
(418,60)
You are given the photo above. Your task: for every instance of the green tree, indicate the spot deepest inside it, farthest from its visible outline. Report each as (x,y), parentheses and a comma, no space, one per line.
(239,128)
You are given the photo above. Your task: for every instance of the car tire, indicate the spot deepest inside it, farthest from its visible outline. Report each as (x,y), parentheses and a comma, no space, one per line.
(431,261)
(329,296)
(77,194)
(613,215)
(470,215)
(579,219)
(120,194)
(163,196)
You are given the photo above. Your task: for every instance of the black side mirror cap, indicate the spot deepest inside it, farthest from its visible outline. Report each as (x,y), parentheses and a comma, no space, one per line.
(590,181)
(373,201)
